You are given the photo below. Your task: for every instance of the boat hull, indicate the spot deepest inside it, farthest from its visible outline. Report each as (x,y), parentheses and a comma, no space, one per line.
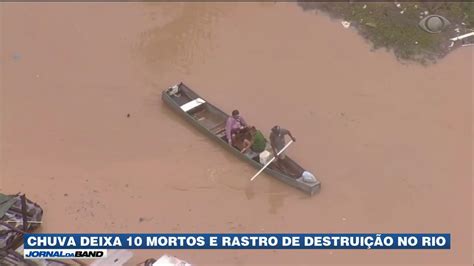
(177,106)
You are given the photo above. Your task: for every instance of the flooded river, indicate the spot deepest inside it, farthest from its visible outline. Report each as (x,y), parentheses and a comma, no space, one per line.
(85,134)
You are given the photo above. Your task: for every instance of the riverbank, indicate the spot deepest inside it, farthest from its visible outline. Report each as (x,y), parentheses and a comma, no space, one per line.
(394,26)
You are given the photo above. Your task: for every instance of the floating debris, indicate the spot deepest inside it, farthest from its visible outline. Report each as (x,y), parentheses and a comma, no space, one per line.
(467,41)
(464,41)
(416,42)
(119,257)
(426,13)
(170,261)
(364,7)
(346,24)
(370,24)
(462,36)
(397,4)
(457,30)
(403,11)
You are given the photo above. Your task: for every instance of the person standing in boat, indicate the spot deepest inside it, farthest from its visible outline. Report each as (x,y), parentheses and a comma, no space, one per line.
(277,140)
(234,124)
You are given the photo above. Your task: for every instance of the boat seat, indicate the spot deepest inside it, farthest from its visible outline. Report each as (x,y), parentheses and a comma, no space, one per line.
(218,129)
(199,114)
(192,104)
(221,134)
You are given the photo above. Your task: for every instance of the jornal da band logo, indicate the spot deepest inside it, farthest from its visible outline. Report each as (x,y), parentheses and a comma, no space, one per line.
(64,253)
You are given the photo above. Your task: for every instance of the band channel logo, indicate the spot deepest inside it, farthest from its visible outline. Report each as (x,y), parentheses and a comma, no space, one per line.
(64,253)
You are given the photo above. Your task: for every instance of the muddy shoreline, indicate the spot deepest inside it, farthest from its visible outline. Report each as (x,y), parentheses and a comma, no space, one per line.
(395,26)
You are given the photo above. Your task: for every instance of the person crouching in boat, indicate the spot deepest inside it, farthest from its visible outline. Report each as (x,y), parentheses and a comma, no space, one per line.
(254,140)
(234,125)
(277,140)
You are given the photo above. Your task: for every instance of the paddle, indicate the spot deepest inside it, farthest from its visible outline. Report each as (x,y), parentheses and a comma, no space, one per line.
(261,170)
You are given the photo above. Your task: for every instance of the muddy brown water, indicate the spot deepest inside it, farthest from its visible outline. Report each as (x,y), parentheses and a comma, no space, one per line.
(389,142)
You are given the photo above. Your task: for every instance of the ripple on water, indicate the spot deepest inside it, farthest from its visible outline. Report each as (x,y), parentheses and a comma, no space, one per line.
(181,40)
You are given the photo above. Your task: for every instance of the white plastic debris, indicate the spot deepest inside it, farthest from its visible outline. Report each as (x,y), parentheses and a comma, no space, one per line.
(416,6)
(174,89)
(114,257)
(462,36)
(397,4)
(451,45)
(426,12)
(403,11)
(167,260)
(416,42)
(346,24)
(364,7)
(457,30)
(308,177)
(265,157)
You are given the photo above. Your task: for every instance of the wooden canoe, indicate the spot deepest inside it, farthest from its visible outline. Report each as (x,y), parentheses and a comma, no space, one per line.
(211,120)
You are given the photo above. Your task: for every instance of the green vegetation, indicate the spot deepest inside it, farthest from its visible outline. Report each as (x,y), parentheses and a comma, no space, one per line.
(395,26)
